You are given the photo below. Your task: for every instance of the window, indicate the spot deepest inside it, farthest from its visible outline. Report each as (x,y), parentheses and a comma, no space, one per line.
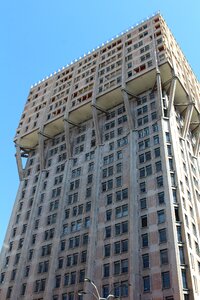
(145,240)
(162,235)
(153,115)
(66,279)
(2,277)
(159,181)
(142,187)
(121,247)
(74,184)
(144,221)
(184,278)
(51,219)
(165,280)
(46,250)
(161,216)
(82,275)
(107,185)
(119,155)
(107,231)
(145,261)
(85,239)
(157,152)
(121,228)
(60,262)
(121,211)
(181,255)
(146,283)
(121,142)
(156,139)
(164,256)
(57,281)
(88,192)
(105,290)
(49,234)
(40,285)
(108,215)
(109,199)
(90,167)
(143,203)
(119,168)
(121,266)
(158,165)
(9,292)
(161,198)
(72,277)
(108,159)
(107,251)
(23,289)
(121,195)
(106,270)
(43,267)
(13,274)
(179,233)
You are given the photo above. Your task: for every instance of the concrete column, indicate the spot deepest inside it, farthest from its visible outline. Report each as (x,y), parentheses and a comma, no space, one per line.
(197,146)
(66,115)
(188,117)
(67,139)
(94,109)
(90,271)
(135,276)
(96,125)
(159,92)
(172,96)
(19,163)
(41,150)
(57,235)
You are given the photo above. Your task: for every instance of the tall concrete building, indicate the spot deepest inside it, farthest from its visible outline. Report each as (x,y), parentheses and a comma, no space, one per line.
(110,188)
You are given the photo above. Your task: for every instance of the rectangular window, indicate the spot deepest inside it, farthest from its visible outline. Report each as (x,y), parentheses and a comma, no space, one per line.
(162,235)
(107,231)
(144,222)
(165,280)
(145,240)
(106,270)
(143,203)
(161,216)
(164,257)
(161,198)
(145,261)
(146,283)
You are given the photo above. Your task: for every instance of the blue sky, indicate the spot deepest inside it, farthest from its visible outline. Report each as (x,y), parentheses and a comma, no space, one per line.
(40,36)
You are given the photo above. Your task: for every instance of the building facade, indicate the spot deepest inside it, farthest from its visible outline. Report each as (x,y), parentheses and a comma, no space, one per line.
(110,187)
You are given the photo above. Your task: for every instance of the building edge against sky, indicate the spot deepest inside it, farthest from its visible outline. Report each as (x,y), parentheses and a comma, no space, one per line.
(110,188)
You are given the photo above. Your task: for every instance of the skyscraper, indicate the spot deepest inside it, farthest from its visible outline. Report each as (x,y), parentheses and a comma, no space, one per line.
(109,190)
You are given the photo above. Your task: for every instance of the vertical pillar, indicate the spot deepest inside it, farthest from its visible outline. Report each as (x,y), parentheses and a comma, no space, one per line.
(66,116)
(172,96)
(41,150)
(124,93)
(96,125)
(188,117)
(197,146)
(19,163)
(159,92)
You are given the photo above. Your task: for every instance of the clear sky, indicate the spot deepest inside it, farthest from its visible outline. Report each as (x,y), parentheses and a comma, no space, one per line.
(37,37)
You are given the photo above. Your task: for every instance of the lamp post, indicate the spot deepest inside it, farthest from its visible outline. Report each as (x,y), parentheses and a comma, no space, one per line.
(96,294)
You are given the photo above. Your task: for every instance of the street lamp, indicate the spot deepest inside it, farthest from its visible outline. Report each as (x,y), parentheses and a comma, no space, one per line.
(96,295)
